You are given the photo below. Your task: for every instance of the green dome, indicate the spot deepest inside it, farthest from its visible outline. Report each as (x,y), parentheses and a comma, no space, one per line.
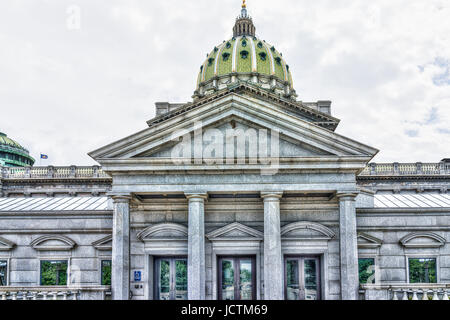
(245,58)
(245,55)
(12,154)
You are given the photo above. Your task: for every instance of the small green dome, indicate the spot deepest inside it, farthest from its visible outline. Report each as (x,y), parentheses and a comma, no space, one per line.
(12,154)
(245,58)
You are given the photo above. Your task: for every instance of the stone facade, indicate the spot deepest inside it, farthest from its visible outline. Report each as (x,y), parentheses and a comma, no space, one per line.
(242,193)
(322,201)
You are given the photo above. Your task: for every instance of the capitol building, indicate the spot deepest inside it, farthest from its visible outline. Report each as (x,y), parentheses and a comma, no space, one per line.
(244,193)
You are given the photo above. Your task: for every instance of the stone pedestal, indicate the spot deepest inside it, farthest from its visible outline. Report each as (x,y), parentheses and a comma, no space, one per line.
(348,246)
(196,247)
(120,277)
(273,262)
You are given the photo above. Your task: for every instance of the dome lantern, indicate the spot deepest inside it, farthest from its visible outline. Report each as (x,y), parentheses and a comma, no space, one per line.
(244,24)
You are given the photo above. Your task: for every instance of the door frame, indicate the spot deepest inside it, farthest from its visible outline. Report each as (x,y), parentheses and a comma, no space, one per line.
(317,258)
(156,268)
(236,258)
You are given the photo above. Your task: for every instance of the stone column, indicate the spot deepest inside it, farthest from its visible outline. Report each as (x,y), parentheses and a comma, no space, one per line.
(196,246)
(348,246)
(273,261)
(120,277)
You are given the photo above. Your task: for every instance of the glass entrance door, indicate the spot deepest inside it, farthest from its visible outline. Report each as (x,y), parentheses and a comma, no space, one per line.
(171,279)
(302,278)
(237,278)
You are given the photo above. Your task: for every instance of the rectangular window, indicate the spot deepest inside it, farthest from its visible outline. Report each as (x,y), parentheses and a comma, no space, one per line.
(54,273)
(422,270)
(3,273)
(106,272)
(366,270)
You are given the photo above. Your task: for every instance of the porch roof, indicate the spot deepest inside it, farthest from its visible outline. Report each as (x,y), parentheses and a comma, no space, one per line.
(54,204)
(424,200)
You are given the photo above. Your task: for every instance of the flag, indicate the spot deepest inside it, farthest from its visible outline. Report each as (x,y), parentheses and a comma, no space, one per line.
(44,156)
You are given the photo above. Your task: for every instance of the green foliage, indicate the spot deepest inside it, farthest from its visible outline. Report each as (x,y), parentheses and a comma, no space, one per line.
(53,273)
(106,272)
(422,271)
(366,271)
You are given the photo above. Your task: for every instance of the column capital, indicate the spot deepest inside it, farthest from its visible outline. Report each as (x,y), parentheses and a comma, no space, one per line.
(347,195)
(196,195)
(271,195)
(120,198)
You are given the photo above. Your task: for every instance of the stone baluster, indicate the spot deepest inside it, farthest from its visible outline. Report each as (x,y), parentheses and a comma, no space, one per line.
(65,295)
(405,295)
(414,297)
(445,296)
(25,295)
(14,296)
(55,295)
(435,295)
(3,295)
(425,295)
(394,295)
(44,295)
(75,295)
(34,295)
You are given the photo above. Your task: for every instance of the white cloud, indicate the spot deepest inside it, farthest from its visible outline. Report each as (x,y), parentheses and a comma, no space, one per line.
(67,92)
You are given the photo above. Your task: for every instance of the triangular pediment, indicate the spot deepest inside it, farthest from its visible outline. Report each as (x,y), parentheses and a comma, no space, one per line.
(366,241)
(287,147)
(104,244)
(299,139)
(235,231)
(6,245)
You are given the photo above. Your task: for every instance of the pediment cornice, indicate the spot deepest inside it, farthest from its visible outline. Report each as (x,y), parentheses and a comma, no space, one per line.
(235,232)
(235,107)
(6,245)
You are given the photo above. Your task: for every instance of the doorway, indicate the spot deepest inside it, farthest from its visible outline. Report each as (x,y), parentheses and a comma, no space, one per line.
(237,278)
(302,278)
(171,281)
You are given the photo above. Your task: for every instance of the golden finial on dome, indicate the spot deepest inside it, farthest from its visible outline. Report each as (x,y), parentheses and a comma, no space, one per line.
(244,5)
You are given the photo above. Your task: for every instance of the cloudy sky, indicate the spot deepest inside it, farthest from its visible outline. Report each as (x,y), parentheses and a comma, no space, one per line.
(68,88)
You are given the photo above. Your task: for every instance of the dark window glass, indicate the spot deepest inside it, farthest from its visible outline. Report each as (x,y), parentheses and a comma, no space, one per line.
(106,272)
(53,273)
(366,270)
(3,273)
(422,270)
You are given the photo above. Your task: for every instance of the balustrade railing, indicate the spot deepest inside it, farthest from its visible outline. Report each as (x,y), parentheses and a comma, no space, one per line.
(405,292)
(373,169)
(406,169)
(55,293)
(53,172)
